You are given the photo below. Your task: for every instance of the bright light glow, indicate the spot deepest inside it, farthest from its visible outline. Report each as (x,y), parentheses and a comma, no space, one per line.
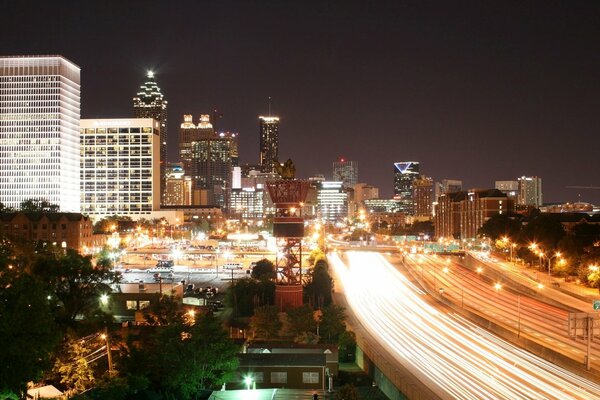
(498,286)
(104,299)
(450,355)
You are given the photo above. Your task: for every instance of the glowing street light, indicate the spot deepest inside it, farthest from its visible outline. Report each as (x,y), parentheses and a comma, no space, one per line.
(248,381)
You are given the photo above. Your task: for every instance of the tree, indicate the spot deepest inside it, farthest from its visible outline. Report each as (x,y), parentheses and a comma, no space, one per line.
(27,330)
(188,359)
(246,294)
(347,392)
(545,230)
(332,323)
(74,366)
(38,205)
(167,310)
(74,284)
(263,270)
(319,286)
(500,226)
(265,322)
(347,346)
(299,321)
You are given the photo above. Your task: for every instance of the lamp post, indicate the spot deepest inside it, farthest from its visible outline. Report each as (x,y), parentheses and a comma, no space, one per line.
(557,254)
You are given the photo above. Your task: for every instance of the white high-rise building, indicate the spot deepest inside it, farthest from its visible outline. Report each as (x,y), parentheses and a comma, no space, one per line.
(39,131)
(120,167)
(530,191)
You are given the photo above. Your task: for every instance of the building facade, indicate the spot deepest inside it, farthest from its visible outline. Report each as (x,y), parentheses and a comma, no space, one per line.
(332,202)
(530,191)
(207,157)
(423,197)
(63,230)
(269,142)
(346,172)
(120,166)
(150,103)
(404,174)
(459,215)
(39,131)
(178,189)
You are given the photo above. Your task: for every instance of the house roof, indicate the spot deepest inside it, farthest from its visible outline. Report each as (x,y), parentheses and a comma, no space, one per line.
(282,360)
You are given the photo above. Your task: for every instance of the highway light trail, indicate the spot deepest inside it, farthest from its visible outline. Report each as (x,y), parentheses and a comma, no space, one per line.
(453,357)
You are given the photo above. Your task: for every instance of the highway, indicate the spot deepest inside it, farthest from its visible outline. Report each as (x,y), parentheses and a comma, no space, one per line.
(538,321)
(453,357)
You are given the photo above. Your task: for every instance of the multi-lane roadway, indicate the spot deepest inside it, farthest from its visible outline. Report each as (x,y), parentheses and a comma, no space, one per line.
(451,356)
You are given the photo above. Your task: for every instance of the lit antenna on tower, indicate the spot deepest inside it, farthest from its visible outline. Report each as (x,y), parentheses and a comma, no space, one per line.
(269,106)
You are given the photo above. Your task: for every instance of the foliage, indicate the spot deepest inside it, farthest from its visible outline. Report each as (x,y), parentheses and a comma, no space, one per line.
(167,310)
(299,321)
(265,322)
(38,205)
(347,346)
(545,230)
(316,255)
(332,323)
(319,286)
(347,392)
(500,226)
(74,366)
(246,294)
(27,330)
(74,284)
(187,359)
(264,270)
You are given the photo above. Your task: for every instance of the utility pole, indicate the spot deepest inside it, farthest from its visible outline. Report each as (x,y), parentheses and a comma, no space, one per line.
(108,353)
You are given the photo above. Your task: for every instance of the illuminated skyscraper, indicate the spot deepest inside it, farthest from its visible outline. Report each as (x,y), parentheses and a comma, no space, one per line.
(404,175)
(150,103)
(119,166)
(208,157)
(530,191)
(346,172)
(39,131)
(269,142)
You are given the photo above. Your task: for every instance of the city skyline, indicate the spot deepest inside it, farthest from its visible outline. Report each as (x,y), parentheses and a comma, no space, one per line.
(508,88)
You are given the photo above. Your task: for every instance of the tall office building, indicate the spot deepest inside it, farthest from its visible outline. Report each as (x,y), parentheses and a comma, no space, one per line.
(423,197)
(346,172)
(530,191)
(39,131)
(208,157)
(332,201)
(150,103)
(269,142)
(178,191)
(120,171)
(404,175)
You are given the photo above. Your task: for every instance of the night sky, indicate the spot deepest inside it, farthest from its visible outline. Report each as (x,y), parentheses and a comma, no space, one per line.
(478,91)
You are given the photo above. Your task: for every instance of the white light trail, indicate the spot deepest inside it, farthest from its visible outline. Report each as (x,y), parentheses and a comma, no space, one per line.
(454,357)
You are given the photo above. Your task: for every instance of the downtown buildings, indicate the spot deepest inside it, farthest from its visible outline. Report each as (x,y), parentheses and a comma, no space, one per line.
(269,143)
(150,103)
(39,131)
(120,167)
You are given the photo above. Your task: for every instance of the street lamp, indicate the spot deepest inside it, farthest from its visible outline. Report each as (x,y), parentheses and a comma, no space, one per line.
(557,254)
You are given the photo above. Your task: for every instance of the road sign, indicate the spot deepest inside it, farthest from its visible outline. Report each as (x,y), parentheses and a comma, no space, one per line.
(596,304)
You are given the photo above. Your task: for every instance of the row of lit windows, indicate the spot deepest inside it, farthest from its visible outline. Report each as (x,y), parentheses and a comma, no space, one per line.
(31,78)
(32,97)
(30,122)
(116,130)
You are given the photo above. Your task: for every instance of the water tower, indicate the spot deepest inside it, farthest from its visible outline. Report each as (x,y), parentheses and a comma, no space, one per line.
(288,230)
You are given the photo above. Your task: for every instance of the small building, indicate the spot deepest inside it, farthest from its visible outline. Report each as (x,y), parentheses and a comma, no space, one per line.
(128,300)
(331,351)
(293,371)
